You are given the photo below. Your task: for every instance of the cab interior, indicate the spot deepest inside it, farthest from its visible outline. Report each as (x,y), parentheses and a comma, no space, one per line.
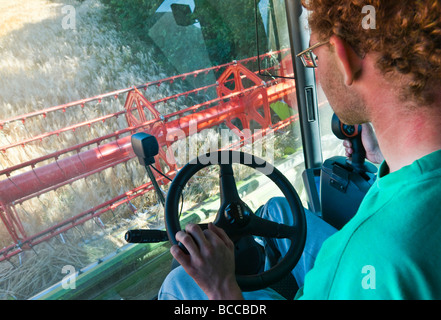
(301,137)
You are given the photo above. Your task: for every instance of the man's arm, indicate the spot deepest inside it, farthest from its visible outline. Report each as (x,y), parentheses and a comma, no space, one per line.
(210,261)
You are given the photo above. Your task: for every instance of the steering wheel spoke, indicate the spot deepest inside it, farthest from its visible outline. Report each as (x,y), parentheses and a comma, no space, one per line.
(258,226)
(227,185)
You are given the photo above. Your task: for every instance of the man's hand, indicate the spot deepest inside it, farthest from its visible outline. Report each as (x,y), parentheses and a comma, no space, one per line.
(210,261)
(370,143)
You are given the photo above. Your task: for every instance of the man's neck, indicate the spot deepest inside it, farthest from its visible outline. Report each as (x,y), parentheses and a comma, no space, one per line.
(409,135)
(406,131)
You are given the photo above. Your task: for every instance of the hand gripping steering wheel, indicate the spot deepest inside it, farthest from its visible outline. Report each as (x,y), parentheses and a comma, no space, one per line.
(237,219)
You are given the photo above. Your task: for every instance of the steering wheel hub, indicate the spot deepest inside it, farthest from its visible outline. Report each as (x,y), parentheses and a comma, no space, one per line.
(236,214)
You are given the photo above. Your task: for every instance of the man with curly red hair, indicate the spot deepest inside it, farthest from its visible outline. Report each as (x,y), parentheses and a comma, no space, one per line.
(389,76)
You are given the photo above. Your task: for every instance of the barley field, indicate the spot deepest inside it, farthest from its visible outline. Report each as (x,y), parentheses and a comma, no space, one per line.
(47,61)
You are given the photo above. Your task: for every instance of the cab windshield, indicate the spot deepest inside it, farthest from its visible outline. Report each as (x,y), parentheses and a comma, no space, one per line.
(79,78)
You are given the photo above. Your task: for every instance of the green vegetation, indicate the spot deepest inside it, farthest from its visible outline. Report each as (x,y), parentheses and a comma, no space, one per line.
(226,29)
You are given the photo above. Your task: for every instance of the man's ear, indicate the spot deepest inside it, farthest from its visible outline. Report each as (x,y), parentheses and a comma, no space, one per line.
(349,62)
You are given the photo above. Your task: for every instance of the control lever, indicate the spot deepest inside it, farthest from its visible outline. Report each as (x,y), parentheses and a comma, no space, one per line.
(353,133)
(146,147)
(145,236)
(152,236)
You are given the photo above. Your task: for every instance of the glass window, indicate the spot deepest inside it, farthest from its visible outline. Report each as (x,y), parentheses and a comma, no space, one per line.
(78,80)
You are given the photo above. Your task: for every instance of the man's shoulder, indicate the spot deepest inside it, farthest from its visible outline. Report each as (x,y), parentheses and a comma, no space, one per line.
(398,250)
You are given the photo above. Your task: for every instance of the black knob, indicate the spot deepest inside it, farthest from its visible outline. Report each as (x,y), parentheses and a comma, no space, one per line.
(352,133)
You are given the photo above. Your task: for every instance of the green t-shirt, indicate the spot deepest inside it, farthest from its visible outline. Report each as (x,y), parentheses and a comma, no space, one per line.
(391,249)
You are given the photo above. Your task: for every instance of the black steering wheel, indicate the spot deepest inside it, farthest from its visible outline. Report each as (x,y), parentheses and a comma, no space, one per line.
(237,219)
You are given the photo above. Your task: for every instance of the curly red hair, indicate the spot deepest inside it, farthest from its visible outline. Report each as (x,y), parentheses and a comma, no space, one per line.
(407,37)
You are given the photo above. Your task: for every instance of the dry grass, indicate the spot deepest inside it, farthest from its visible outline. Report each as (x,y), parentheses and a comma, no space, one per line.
(16,14)
(44,65)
